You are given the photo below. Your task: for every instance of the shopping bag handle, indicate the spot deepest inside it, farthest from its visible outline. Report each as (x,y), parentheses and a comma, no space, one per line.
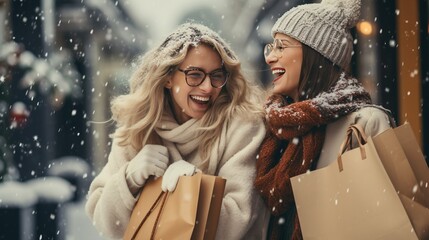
(361,138)
(162,195)
(361,133)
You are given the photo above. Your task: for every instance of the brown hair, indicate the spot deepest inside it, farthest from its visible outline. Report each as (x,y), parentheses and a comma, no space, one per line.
(318,74)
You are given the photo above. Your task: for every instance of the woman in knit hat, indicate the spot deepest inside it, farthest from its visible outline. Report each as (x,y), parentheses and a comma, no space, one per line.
(189,109)
(313,101)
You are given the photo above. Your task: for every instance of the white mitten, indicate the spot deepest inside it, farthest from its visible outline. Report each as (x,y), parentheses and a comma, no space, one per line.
(174,171)
(151,160)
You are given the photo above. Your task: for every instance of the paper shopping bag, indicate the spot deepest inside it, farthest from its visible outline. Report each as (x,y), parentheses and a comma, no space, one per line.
(352,198)
(146,210)
(209,206)
(182,214)
(404,163)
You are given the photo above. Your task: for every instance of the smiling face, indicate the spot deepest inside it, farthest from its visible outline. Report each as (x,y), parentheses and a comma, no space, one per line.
(193,102)
(286,65)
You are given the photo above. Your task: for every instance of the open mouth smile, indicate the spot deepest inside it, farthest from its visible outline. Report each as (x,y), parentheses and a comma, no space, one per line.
(278,72)
(200,99)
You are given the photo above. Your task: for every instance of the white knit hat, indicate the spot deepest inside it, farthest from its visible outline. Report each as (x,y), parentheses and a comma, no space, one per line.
(324,26)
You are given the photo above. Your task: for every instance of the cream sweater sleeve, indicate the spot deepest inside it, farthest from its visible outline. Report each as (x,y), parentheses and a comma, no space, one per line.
(110,202)
(372,120)
(242,206)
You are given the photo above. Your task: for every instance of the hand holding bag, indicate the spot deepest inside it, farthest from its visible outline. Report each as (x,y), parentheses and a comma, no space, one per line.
(190,212)
(356,196)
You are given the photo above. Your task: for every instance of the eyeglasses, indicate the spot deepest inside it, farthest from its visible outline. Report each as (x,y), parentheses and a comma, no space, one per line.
(277,47)
(195,76)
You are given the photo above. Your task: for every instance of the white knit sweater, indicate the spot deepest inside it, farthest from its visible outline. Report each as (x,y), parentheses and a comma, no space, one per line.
(110,202)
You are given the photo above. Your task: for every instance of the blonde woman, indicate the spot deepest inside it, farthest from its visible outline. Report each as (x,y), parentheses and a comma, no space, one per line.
(189,109)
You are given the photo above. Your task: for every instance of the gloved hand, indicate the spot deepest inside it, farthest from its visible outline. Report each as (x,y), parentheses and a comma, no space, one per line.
(174,171)
(151,160)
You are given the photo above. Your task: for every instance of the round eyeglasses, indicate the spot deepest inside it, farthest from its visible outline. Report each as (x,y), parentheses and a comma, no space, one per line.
(195,76)
(277,47)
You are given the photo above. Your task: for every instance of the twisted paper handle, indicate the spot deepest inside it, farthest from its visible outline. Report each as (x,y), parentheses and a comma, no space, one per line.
(158,199)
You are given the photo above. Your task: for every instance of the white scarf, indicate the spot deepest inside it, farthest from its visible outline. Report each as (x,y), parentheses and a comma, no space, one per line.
(182,141)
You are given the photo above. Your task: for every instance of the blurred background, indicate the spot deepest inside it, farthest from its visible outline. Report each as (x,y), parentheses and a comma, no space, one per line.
(62,61)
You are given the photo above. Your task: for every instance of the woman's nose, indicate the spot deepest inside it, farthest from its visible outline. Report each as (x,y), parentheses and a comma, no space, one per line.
(270,58)
(206,84)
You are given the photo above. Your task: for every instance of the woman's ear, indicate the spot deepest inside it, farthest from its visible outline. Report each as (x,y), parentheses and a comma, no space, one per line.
(169,83)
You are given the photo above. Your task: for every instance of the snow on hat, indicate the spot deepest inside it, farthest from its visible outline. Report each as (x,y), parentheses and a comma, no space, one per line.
(191,34)
(324,26)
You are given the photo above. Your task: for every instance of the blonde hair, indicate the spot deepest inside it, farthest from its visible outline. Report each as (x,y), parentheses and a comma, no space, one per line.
(138,112)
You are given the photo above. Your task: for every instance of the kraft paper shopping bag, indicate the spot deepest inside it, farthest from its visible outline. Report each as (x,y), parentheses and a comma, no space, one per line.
(353,198)
(159,215)
(209,206)
(404,163)
(190,212)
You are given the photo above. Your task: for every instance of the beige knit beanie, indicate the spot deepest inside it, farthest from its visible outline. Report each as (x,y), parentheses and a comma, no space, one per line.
(324,26)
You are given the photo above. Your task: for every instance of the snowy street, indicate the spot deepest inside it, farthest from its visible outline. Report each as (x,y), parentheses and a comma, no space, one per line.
(79,225)
(110,90)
